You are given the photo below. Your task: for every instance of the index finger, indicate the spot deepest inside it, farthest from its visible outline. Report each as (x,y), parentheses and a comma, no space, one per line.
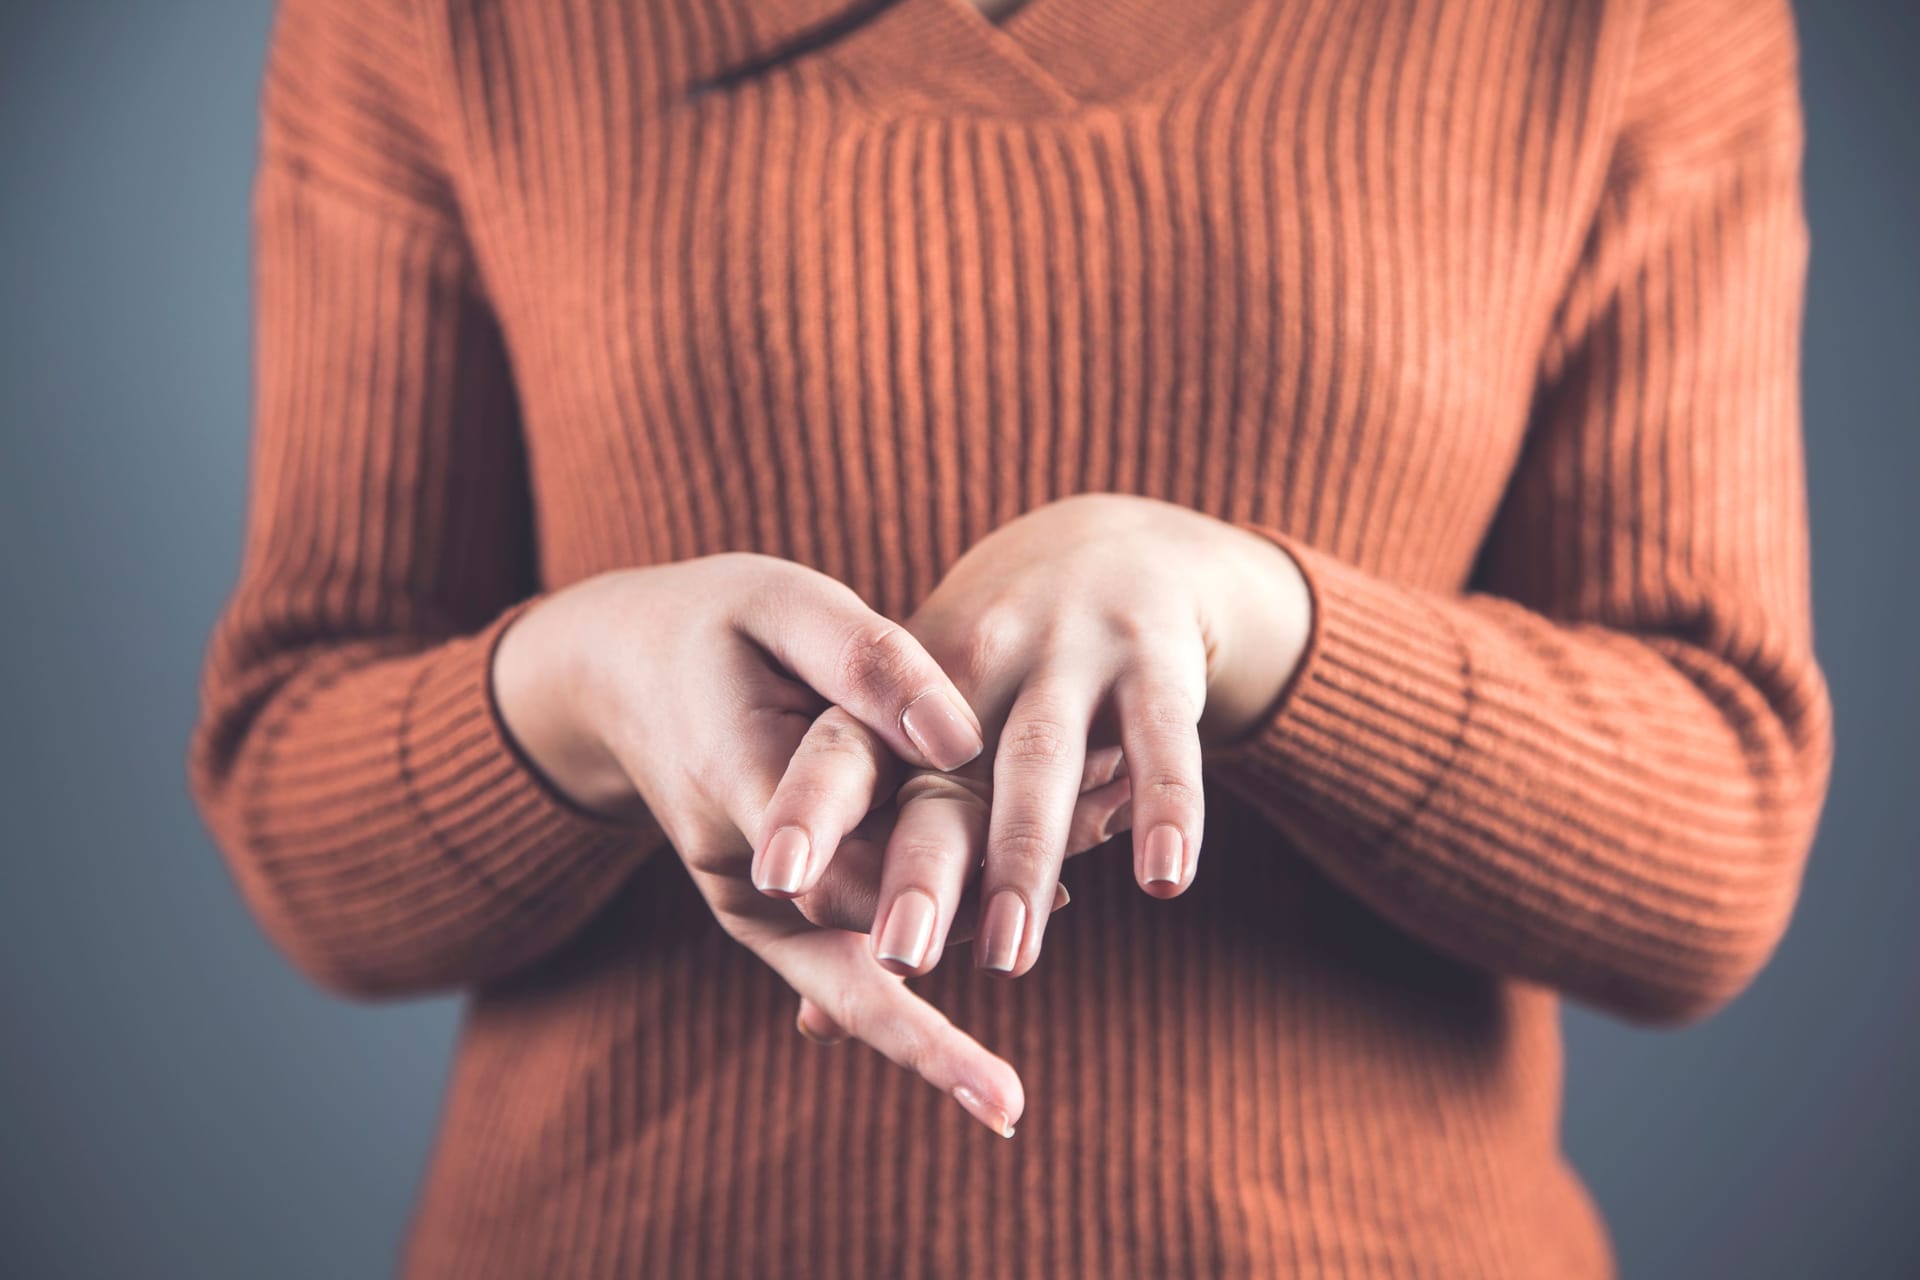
(824,633)
(834,970)
(837,775)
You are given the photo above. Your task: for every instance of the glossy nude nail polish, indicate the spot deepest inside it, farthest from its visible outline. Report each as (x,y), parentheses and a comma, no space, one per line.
(943,734)
(908,931)
(1001,928)
(1163,857)
(783,864)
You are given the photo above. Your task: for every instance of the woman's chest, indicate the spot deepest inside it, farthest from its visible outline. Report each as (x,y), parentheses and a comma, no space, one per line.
(1327,246)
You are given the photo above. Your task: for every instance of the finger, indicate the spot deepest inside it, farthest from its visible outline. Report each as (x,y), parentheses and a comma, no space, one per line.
(847,895)
(966,916)
(939,833)
(938,839)
(1039,759)
(1159,728)
(813,1023)
(1099,815)
(879,671)
(835,971)
(1104,764)
(836,776)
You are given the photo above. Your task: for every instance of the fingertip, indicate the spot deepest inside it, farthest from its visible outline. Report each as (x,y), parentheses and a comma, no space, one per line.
(781,869)
(994,1097)
(818,1034)
(903,941)
(1015,1097)
(1036,937)
(984,1109)
(943,729)
(1162,861)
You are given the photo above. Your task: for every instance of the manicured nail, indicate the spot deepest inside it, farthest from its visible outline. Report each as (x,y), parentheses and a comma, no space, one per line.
(1060,896)
(1163,855)
(783,865)
(941,730)
(1000,928)
(909,930)
(985,1112)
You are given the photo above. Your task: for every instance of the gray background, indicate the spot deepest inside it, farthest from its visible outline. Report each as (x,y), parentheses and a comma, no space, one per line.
(176,1101)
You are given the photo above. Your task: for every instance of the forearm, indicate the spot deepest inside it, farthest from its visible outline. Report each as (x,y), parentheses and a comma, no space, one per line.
(382,822)
(1621,816)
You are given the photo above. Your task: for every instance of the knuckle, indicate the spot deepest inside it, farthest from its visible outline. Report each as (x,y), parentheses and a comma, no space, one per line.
(846,1005)
(921,853)
(837,733)
(876,658)
(1134,630)
(802,797)
(1167,789)
(1037,740)
(908,1045)
(1026,843)
(863,1010)
(1170,709)
(988,639)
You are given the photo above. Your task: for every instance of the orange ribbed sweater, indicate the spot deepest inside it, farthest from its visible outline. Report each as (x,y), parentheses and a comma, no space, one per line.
(1487,310)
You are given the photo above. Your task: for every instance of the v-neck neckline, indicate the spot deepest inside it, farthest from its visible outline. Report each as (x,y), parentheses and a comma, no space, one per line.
(1044,57)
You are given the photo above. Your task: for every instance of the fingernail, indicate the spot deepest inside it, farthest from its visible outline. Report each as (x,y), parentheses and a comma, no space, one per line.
(909,930)
(985,1112)
(1000,928)
(1163,855)
(941,730)
(1060,896)
(784,863)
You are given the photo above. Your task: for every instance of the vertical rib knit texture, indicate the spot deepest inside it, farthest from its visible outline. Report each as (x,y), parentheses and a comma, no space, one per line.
(1487,311)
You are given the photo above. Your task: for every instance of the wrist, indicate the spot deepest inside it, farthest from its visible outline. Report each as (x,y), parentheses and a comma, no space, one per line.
(537,687)
(1265,619)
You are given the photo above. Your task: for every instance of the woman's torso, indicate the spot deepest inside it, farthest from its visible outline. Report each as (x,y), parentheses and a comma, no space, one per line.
(1274,260)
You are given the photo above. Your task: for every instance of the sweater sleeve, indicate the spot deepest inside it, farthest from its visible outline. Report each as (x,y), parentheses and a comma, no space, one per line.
(348,756)
(1601,765)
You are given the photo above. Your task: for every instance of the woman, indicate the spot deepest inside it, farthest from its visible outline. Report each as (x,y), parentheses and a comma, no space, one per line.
(748,496)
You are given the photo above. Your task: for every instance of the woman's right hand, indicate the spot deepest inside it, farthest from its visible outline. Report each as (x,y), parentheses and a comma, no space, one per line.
(682,691)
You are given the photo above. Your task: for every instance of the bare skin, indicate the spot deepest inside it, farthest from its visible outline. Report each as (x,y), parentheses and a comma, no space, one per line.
(774,703)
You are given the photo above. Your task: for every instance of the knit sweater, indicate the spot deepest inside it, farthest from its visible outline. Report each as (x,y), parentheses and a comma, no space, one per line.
(1487,311)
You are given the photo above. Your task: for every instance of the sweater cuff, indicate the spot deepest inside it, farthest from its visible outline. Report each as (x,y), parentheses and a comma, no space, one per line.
(1368,726)
(486,803)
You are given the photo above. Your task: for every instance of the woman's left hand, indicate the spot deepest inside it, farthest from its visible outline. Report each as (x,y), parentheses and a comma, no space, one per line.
(1096,618)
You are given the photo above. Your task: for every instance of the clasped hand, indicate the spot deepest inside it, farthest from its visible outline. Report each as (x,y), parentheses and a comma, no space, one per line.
(851,795)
